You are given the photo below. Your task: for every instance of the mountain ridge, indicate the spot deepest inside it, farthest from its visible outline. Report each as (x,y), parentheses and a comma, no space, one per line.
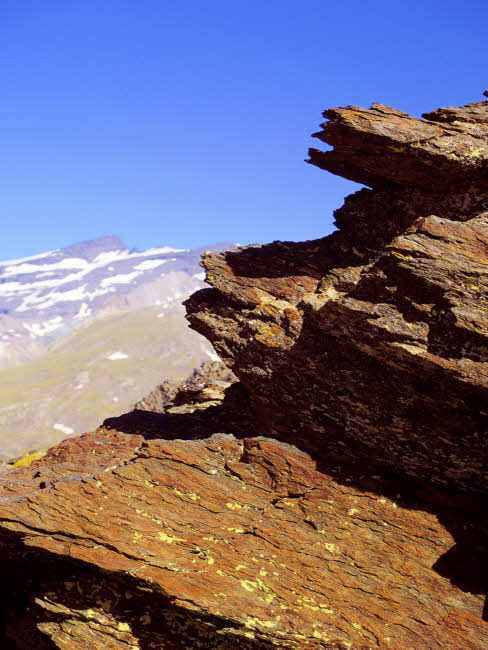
(45,296)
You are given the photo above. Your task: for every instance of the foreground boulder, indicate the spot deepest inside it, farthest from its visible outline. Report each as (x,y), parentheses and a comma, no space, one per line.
(118,540)
(334,497)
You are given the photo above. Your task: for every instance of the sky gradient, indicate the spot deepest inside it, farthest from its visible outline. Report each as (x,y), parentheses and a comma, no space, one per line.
(184,124)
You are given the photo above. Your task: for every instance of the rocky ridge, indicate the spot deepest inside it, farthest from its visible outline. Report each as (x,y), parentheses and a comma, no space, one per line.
(334,497)
(159,398)
(370,326)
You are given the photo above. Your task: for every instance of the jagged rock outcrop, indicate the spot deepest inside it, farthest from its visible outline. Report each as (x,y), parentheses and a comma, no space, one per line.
(203,527)
(372,343)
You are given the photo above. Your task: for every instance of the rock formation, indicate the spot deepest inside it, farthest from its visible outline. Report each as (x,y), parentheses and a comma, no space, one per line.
(334,497)
(372,342)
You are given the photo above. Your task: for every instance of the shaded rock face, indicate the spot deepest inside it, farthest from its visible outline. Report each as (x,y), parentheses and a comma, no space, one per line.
(371,344)
(200,526)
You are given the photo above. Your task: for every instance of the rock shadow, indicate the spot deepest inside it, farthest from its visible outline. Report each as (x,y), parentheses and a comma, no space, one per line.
(71,599)
(231,415)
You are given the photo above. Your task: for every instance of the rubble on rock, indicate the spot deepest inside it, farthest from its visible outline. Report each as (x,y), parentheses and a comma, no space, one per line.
(334,497)
(160,397)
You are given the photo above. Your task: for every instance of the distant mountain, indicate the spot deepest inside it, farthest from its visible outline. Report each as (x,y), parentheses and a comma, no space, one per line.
(86,331)
(44,297)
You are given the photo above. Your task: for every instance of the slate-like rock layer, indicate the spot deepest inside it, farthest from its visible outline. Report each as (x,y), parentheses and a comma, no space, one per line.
(202,527)
(119,540)
(372,343)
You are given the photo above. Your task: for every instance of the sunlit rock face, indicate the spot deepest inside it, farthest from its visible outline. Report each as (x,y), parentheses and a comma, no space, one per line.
(227,542)
(372,343)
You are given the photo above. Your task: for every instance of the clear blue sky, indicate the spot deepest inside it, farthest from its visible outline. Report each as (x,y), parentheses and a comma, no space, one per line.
(186,123)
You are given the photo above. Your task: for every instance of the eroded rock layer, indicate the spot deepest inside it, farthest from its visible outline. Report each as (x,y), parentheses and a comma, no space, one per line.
(372,343)
(164,394)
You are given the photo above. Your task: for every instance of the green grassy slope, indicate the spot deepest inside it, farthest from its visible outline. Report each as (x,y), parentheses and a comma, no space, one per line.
(76,385)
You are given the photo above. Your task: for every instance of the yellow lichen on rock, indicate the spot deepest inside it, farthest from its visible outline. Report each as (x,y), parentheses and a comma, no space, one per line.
(28,459)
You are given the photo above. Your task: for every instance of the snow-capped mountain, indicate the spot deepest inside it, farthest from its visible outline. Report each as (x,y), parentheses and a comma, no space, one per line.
(88,330)
(45,296)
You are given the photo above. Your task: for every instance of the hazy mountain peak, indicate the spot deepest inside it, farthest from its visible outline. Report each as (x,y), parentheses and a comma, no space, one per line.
(91,248)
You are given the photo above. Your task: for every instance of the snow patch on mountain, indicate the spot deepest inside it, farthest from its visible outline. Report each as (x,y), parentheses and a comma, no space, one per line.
(41,329)
(83,312)
(117,355)
(63,428)
(150,264)
(45,296)
(19,260)
(67,263)
(119,279)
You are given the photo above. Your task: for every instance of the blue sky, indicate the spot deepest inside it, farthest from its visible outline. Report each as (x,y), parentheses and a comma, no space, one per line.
(187,123)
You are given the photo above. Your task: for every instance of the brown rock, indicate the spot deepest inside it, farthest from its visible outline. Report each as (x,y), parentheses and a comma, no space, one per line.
(222,542)
(164,394)
(372,343)
(447,151)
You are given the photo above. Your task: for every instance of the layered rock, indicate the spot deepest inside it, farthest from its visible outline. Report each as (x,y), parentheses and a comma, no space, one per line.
(372,343)
(335,497)
(125,540)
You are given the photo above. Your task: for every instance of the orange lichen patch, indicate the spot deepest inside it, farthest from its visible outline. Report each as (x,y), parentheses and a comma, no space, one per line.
(272,336)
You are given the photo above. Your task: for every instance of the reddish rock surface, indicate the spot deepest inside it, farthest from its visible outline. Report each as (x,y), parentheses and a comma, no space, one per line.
(164,394)
(128,541)
(384,144)
(200,526)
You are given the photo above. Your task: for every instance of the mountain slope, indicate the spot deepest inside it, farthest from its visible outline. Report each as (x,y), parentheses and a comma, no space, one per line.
(99,370)
(88,330)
